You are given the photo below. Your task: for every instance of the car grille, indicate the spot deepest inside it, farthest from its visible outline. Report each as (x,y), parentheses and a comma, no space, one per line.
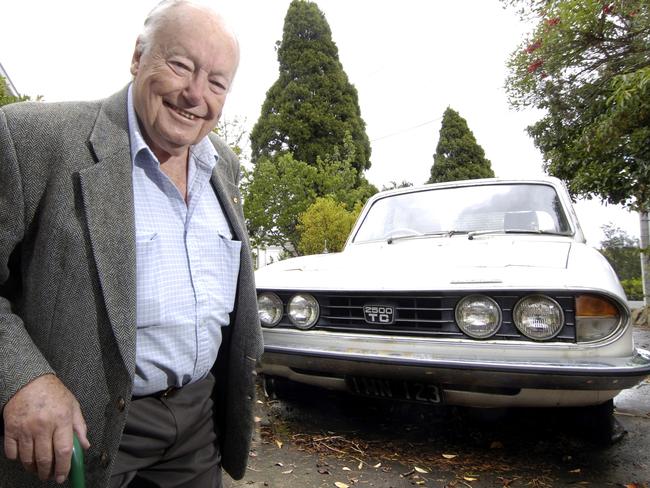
(422,314)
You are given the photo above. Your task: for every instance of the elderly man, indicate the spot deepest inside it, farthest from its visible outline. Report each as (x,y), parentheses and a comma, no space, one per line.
(127,304)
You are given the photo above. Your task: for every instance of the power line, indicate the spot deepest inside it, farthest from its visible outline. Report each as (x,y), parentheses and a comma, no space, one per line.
(407,129)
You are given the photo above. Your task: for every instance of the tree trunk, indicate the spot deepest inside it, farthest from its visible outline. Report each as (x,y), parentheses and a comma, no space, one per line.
(645,262)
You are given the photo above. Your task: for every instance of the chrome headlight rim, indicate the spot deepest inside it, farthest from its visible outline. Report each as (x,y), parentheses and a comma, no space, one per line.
(475,297)
(522,329)
(277,301)
(314,315)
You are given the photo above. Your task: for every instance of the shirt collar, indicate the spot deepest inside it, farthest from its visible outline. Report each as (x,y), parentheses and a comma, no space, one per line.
(204,152)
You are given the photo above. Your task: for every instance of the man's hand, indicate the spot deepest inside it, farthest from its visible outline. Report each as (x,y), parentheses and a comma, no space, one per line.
(39,423)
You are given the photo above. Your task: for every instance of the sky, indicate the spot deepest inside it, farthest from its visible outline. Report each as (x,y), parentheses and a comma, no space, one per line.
(409,61)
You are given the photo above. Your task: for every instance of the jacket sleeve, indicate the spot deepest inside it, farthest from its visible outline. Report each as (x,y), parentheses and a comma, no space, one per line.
(20,359)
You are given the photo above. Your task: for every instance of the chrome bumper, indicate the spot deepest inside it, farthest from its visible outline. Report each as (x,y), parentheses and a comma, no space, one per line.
(336,355)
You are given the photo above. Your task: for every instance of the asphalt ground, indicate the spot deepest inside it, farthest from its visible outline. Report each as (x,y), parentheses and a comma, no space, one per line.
(316,438)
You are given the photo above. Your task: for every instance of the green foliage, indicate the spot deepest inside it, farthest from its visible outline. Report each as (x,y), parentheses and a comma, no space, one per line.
(5,95)
(338,178)
(325,226)
(458,156)
(587,65)
(622,252)
(279,189)
(633,288)
(312,106)
(275,193)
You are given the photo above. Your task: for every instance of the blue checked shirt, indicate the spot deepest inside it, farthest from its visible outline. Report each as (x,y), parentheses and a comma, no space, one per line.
(187,267)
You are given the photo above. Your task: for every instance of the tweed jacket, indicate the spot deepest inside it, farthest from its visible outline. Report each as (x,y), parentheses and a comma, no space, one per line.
(67,277)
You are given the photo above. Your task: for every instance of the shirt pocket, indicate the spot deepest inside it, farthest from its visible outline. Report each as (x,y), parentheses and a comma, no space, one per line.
(149,309)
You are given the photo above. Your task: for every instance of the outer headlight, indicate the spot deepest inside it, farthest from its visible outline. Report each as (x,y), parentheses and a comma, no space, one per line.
(269,308)
(478,316)
(303,310)
(596,318)
(538,317)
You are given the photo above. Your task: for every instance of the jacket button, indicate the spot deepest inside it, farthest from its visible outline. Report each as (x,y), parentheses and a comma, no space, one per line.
(103,459)
(121,404)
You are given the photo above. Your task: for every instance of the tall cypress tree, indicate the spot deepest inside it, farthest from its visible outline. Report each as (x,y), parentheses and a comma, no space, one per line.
(458,156)
(312,105)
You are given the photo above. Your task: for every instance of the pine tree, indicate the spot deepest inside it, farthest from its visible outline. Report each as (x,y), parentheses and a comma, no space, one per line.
(458,156)
(312,105)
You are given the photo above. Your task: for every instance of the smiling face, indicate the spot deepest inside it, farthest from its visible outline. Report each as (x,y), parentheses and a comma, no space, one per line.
(181,78)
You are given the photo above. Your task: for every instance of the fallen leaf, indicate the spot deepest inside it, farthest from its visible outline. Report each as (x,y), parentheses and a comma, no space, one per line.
(419,482)
(323,471)
(289,471)
(470,478)
(449,456)
(278,443)
(345,468)
(338,484)
(360,465)
(258,419)
(378,465)
(575,471)
(279,464)
(421,470)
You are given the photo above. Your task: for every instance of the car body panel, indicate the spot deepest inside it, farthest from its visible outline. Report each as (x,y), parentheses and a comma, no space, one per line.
(503,371)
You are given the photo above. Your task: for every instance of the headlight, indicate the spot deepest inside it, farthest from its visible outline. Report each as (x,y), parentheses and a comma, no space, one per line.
(596,318)
(269,308)
(303,311)
(478,316)
(538,317)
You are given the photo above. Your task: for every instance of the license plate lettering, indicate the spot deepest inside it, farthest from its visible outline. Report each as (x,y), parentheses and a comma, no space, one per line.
(395,389)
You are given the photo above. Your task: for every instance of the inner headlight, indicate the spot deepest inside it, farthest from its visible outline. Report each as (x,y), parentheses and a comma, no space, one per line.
(596,318)
(269,308)
(538,317)
(478,316)
(303,310)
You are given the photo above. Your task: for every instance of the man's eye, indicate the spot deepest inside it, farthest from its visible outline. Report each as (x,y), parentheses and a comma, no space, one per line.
(179,66)
(218,85)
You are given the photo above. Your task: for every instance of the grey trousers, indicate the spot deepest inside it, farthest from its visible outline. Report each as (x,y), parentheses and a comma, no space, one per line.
(169,442)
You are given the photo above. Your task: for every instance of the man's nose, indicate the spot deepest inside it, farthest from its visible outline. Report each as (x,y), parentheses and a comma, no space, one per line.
(195,89)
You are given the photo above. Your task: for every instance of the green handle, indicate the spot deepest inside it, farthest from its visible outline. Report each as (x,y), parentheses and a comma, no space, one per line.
(77,477)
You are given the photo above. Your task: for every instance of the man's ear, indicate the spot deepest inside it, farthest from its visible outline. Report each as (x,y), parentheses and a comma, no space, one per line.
(137,55)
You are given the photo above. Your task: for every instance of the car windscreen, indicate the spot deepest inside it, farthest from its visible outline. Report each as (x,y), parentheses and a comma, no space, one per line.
(534,208)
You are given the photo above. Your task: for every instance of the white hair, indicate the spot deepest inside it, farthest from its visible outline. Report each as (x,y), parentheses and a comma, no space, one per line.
(160,13)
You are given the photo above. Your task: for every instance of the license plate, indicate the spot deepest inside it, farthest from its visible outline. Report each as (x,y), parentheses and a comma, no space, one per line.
(395,389)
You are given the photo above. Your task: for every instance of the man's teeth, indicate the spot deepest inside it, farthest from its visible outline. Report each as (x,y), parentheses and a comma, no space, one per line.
(185,114)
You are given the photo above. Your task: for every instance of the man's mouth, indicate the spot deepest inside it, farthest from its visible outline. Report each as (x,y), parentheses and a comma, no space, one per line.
(180,111)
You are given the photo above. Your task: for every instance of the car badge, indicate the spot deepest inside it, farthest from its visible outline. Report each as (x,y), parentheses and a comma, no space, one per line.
(379,314)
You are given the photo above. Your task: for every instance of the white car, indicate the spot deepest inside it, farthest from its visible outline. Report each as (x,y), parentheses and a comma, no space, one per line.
(475,293)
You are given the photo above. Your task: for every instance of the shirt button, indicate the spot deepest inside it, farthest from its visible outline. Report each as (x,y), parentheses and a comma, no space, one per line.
(121,404)
(103,459)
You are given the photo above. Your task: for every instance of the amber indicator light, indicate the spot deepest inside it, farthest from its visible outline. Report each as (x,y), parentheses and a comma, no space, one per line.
(593,306)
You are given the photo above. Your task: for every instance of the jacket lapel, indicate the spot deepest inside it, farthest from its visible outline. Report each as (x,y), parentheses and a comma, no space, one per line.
(228,195)
(107,192)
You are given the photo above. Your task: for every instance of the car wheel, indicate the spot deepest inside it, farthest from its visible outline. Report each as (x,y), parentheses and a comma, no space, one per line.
(276,388)
(600,425)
